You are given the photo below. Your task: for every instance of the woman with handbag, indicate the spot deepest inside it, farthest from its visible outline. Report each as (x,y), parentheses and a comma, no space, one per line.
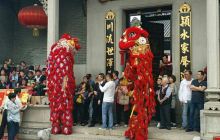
(122,102)
(79,101)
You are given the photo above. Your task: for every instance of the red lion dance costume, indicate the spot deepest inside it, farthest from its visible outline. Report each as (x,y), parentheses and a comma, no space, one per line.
(139,71)
(61,84)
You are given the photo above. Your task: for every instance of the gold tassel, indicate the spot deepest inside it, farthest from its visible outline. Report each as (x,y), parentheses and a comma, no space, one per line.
(35,32)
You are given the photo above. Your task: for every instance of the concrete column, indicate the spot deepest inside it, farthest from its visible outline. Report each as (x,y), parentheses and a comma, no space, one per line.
(213,43)
(211,113)
(53,23)
(213,53)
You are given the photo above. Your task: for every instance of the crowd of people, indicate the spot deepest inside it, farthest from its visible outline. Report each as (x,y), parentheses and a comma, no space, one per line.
(32,78)
(23,76)
(104,100)
(107,101)
(191,95)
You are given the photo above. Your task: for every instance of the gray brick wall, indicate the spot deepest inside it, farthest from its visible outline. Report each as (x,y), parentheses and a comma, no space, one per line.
(18,43)
(6,30)
(73,21)
(26,47)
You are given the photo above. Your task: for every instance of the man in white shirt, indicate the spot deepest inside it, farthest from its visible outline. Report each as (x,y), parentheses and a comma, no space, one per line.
(185,95)
(108,101)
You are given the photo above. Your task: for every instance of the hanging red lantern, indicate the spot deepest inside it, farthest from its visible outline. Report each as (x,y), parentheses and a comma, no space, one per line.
(33,17)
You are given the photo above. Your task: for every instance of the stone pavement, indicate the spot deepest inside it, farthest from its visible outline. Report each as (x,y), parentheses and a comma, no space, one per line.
(94,133)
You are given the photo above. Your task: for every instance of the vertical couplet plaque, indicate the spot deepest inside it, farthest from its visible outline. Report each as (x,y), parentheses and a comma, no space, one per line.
(110,41)
(185,38)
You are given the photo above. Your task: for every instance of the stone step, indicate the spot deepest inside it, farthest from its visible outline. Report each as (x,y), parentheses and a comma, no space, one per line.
(119,131)
(94,133)
(31,131)
(85,137)
(27,137)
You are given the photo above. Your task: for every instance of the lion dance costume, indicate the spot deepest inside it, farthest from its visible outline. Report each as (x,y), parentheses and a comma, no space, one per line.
(139,71)
(61,84)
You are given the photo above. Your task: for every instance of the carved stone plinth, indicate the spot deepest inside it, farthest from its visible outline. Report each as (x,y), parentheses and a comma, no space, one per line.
(213,96)
(210,116)
(34,118)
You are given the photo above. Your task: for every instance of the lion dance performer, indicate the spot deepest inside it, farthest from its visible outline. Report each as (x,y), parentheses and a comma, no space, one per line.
(139,71)
(61,84)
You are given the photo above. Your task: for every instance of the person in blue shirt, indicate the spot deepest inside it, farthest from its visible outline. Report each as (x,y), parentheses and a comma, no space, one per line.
(198,87)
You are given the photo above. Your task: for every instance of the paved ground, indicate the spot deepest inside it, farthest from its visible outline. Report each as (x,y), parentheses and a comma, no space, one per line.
(85,133)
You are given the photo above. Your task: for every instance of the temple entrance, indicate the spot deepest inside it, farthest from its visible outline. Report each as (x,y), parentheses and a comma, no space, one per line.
(157,21)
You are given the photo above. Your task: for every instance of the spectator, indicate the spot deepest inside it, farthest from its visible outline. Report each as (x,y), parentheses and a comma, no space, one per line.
(157,91)
(10,63)
(3,83)
(22,77)
(23,84)
(185,95)
(198,87)
(115,77)
(13,116)
(3,75)
(23,67)
(108,100)
(172,80)
(80,107)
(31,78)
(43,76)
(164,98)
(91,82)
(38,76)
(7,69)
(13,78)
(92,86)
(122,102)
(165,66)
(97,100)
(31,68)
(4,114)
(116,80)
(39,89)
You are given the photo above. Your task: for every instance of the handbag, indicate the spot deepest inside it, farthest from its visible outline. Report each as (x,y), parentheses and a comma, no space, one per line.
(79,99)
(123,100)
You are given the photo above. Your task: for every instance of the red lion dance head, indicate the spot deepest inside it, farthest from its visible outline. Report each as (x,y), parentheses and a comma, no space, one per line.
(139,71)
(61,83)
